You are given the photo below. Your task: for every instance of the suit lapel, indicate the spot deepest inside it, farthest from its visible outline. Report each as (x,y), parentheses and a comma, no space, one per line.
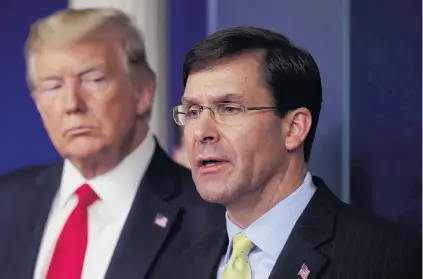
(315,226)
(141,237)
(36,206)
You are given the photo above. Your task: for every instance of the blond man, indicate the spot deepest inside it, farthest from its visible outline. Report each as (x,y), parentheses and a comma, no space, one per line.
(116,206)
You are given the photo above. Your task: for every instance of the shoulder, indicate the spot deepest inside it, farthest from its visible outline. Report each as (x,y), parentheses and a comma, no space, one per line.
(355,219)
(352,221)
(21,184)
(383,244)
(22,175)
(371,230)
(371,245)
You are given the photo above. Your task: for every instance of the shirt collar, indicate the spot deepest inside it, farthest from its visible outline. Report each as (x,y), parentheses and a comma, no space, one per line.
(117,188)
(270,232)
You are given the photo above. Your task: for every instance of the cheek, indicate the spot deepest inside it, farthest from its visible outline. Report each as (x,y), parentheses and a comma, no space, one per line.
(256,143)
(242,142)
(112,102)
(188,141)
(115,116)
(50,116)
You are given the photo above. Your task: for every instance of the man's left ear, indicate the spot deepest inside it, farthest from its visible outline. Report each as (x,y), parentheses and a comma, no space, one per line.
(298,125)
(145,96)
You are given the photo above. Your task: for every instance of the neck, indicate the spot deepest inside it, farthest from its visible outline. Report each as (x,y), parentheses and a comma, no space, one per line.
(248,209)
(110,157)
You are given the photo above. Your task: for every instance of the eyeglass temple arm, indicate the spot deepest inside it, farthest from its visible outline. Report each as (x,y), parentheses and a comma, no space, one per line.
(260,108)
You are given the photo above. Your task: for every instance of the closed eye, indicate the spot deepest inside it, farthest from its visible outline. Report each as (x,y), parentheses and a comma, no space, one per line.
(50,85)
(94,82)
(54,87)
(95,79)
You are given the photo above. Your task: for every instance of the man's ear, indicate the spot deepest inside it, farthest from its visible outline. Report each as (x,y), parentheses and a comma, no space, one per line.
(145,95)
(298,124)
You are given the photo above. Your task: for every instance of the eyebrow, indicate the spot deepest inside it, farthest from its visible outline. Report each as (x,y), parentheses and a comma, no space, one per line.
(50,77)
(88,70)
(228,97)
(99,67)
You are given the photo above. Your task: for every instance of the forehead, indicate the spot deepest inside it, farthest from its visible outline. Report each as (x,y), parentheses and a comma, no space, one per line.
(239,77)
(75,56)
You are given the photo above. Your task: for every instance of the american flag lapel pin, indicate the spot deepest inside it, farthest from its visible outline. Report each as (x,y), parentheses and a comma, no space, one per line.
(304,271)
(161,220)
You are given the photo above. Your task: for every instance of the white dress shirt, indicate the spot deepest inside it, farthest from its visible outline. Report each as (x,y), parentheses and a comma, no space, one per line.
(270,232)
(116,190)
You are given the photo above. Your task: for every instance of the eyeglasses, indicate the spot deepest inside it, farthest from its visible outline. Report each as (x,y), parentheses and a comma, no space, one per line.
(223,113)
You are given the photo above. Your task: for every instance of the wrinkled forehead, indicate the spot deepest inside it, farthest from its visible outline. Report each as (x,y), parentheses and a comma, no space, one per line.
(238,80)
(210,99)
(75,57)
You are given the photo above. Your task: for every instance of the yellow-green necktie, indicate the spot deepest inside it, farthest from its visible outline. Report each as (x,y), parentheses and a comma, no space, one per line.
(238,266)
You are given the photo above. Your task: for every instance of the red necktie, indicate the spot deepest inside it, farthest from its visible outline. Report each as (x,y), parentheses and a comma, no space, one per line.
(69,254)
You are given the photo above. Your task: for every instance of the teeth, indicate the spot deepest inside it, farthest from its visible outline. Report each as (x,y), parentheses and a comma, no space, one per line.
(208,162)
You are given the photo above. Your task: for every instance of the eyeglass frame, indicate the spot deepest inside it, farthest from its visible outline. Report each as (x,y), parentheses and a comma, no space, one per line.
(211,108)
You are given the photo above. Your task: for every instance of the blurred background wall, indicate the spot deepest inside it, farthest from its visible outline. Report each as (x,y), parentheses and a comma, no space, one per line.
(368,145)
(23,140)
(386,108)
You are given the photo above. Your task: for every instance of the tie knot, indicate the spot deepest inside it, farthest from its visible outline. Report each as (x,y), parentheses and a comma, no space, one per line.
(86,195)
(241,244)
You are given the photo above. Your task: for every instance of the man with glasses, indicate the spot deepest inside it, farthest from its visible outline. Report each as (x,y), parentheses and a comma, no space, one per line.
(250,110)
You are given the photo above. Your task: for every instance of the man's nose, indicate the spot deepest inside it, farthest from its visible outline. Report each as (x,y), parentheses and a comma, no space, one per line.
(73,100)
(205,128)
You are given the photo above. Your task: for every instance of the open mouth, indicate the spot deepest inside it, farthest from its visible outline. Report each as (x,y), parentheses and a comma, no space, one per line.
(211,163)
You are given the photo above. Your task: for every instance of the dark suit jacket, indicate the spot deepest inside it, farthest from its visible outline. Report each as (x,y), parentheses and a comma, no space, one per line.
(26,196)
(333,239)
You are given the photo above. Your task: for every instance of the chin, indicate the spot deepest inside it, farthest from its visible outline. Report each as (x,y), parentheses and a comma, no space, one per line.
(81,152)
(214,194)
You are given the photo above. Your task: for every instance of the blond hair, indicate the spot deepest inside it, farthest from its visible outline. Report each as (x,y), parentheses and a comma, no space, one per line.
(70,25)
